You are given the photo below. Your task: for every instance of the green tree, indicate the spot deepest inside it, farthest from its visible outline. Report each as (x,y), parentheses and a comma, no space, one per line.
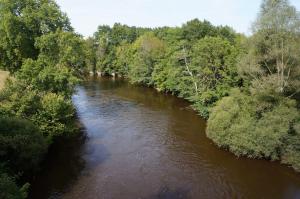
(57,79)
(212,70)
(91,55)
(148,49)
(123,59)
(22,145)
(22,21)
(9,188)
(194,30)
(272,60)
(52,113)
(62,48)
(261,120)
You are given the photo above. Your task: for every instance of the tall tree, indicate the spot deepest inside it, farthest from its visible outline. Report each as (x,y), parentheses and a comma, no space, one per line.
(22,21)
(273,57)
(260,121)
(148,49)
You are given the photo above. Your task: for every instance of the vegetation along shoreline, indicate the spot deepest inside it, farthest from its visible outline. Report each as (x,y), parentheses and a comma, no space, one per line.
(247,87)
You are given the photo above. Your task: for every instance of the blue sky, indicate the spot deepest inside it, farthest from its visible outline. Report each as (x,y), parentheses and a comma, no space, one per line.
(86,15)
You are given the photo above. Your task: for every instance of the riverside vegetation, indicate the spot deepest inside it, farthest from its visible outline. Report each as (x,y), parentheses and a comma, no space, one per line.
(46,59)
(247,87)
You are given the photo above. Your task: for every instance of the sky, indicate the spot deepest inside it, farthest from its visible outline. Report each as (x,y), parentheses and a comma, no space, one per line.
(87,15)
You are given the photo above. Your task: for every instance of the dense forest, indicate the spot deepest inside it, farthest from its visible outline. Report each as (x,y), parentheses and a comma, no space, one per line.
(246,87)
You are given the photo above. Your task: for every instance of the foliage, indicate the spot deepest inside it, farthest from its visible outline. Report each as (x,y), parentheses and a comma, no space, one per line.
(46,60)
(56,116)
(105,43)
(179,60)
(22,21)
(273,49)
(213,70)
(52,113)
(263,120)
(22,144)
(3,76)
(91,55)
(148,49)
(194,30)
(9,188)
(48,78)
(124,58)
(246,127)
(21,150)
(62,48)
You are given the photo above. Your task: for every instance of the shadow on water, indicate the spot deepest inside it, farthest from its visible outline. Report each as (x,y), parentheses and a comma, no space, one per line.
(67,160)
(61,168)
(167,193)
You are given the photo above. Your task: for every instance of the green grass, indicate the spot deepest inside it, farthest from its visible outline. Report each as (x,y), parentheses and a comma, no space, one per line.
(3,76)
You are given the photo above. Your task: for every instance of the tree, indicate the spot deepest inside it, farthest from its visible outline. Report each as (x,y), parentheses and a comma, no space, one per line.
(48,78)
(148,49)
(213,71)
(261,120)
(273,58)
(91,55)
(123,59)
(62,48)
(194,30)
(22,21)
(22,145)
(9,188)
(46,59)
(52,113)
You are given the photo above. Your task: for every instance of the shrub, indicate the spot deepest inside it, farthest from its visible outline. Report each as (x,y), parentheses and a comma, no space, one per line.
(22,144)
(242,125)
(51,112)
(10,190)
(55,116)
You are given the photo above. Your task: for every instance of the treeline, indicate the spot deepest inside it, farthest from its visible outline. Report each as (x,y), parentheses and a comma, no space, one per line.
(46,59)
(176,60)
(247,87)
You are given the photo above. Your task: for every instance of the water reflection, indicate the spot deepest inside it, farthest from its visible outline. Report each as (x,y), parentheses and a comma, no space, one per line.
(61,169)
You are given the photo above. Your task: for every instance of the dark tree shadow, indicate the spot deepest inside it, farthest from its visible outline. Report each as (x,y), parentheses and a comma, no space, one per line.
(167,193)
(61,168)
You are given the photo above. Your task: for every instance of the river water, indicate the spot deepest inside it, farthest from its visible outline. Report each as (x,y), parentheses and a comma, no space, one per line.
(141,144)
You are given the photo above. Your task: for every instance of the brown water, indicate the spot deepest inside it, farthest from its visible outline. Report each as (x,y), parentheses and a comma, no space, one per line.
(140,144)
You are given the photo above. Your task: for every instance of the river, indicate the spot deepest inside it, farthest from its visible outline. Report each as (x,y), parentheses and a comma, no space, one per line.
(141,144)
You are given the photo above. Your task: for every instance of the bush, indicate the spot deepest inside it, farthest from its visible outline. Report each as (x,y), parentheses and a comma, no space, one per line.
(292,152)
(54,78)
(19,100)
(22,145)
(51,112)
(55,116)
(248,127)
(10,190)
